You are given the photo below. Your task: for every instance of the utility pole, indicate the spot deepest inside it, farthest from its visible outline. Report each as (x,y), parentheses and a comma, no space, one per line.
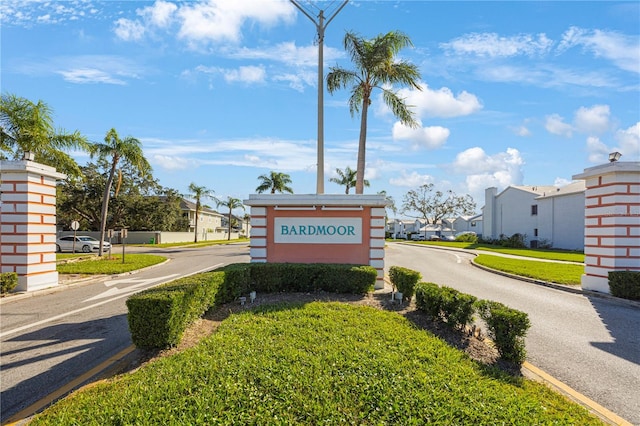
(320,27)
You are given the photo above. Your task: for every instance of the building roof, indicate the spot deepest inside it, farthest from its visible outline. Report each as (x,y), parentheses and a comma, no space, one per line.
(572,188)
(188,205)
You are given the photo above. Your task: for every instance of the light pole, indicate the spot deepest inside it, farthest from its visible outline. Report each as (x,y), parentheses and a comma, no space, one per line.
(320,27)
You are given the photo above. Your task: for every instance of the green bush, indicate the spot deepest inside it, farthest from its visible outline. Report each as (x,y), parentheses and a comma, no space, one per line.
(428,300)
(467,238)
(445,304)
(625,284)
(507,327)
(405,280)
(158,316)
(8,281)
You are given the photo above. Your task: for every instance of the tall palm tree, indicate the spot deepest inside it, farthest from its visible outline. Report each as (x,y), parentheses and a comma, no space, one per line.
(27,127)
(375,67)
(198,193)
(231,203)
(347,177)
(113,150)
(275,182)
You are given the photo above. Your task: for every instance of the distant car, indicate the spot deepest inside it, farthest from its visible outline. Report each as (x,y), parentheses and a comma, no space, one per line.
(449,238)
(434,238)
(417,237)
(83,243)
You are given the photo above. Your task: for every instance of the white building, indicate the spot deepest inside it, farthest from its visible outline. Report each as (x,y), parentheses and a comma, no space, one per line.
(545,215)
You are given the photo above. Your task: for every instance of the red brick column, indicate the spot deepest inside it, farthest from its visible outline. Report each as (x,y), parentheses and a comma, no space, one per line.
(28,223)
(612,222)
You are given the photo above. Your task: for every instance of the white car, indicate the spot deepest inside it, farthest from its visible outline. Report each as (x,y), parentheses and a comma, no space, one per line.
(83,243)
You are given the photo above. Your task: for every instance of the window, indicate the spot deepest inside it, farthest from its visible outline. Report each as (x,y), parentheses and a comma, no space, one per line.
(473,223)
(535,232)
(534,210)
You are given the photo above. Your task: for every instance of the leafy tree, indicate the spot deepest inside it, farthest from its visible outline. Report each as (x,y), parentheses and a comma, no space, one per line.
(274,182)
(142,203)
(198,193)
(376,66)
(113,150)
(28,127)
(231,203)
(435,206)
(347,178)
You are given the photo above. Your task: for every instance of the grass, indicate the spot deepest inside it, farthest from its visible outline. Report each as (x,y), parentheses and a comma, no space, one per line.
(561,273)
(110,265)
(318,363)
(548,254)
(192,244)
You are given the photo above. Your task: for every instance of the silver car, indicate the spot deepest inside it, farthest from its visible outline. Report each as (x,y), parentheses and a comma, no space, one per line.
(83,243)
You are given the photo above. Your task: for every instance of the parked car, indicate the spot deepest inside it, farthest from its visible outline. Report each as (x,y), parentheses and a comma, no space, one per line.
(83,243)
(448,238)
(417,237)
(434,237)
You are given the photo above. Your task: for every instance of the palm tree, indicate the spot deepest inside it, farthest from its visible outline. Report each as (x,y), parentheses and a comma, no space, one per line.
(26,127)
(231,203)
(275,182)
(197,193)
(113,150)
(376,67)
(347,178)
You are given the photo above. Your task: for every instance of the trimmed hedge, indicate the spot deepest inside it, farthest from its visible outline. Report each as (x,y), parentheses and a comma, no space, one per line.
(625,284)
(8,281)
(507,327)
(158,316)
(405,280)
(445,304)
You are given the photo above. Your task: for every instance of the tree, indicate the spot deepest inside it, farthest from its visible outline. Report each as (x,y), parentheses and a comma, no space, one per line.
(347,177)
(113,150)
(197,193)
(433,207)
(375,67)
(231,203)
(27,127)
(274,182)
(141,201)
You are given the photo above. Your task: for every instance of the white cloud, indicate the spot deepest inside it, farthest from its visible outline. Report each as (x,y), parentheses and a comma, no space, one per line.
(89,75)
(555,124)
(621,49)
(161,14)
(427,137)
(439,103)
(522,131)
(129,30)
(492,45)
(222,20)
(592,120)
(629,142)
(412,180)
(598,151)
(247,74)
(483,170)
(172,162)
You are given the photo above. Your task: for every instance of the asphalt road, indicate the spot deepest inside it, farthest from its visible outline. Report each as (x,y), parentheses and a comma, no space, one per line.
(590,343)
(52,338)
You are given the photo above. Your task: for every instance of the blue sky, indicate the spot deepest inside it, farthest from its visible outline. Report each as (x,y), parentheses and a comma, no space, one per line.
(222,91)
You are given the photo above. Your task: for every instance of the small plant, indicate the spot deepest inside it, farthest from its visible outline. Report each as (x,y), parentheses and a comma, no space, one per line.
(507,327)
(8,281)
(404,280)
(625,284)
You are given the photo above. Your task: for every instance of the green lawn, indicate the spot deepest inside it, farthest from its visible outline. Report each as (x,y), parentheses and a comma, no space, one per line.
(311,364)
(564,255)
(110,265)
(198,244)
(561,273)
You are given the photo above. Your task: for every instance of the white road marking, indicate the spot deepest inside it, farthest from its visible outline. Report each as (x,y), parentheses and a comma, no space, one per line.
(95,305)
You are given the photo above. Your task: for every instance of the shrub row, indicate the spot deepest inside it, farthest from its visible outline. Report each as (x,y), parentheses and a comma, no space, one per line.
(8,281)
(405,280)
(625,284)
(158,317)
(507,327)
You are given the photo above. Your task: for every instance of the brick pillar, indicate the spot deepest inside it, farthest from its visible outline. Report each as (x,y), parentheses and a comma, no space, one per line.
(28,223)
(612,222)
